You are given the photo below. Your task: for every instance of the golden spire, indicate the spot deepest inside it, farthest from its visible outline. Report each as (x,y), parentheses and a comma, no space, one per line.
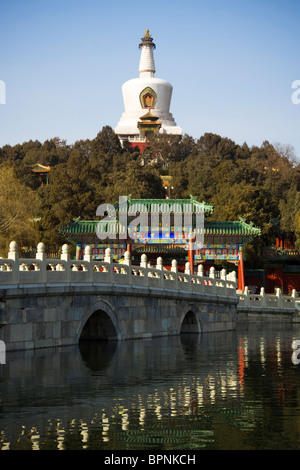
(147,40)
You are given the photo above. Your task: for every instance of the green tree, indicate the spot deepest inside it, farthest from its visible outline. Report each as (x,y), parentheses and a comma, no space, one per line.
(135,180)
(69,196)
(19,210)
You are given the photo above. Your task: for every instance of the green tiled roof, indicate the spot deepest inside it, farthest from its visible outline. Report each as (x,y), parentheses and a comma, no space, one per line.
(239,228)
(174,205)
(85,227)
(231,228)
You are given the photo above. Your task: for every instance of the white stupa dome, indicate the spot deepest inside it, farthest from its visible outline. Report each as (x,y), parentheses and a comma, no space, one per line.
(146,93)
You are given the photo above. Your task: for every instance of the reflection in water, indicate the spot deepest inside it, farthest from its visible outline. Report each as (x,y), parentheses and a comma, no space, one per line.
(209,391)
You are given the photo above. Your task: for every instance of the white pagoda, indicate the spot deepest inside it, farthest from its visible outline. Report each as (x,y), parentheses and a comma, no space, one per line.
(146,101)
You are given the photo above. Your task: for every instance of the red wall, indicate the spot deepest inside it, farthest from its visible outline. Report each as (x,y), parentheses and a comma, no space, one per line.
(285,281)
(274,278)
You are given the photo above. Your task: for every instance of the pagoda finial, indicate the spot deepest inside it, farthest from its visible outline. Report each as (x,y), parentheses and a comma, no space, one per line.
(147,40)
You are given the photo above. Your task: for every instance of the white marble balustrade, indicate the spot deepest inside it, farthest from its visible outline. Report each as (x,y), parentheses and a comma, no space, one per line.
(17,272)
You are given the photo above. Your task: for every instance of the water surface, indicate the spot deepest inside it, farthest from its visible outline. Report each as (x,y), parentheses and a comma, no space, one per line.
(227,390)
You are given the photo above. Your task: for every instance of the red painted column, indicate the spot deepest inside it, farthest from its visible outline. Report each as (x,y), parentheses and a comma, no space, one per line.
(191,255)
(78,251)
(128,246)
(241,275)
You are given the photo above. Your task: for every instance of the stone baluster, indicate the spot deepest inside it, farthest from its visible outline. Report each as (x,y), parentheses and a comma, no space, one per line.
(107,256)
(41,256)
(13,255)
(159,263)
(187,268)
(279,297)
(159,266)
(246,296)
(222,282)
(174,269)
(127,258)
(87,254)
(223,274)
(187,276)
(40,252)
(293,298)
(144,269)
(13,251)
(231,280)
(65,256)
(200,270)
(212,275)
(109,267)
(128,271)
(88,267)
(263,297)
(143,262)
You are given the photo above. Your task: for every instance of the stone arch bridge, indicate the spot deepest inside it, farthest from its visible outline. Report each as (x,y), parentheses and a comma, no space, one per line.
(47,303)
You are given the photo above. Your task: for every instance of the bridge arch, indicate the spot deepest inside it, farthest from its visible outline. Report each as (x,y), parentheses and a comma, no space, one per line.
(189,320)
(99,322)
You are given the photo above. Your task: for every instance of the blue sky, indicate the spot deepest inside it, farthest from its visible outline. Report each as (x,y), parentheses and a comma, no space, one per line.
(231,64)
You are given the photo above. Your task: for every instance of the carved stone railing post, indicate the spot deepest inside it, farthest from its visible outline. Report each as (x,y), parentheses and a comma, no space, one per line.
(263,297)
(107,255)
(279,297)
(14,256)
(143,262)
(200,270)
(144,270)
(87,254)
(127,259)
(127,262)
(159,265)
(187,269)
(109,267)
(246,296)
(294,295)
(174,269)
(41,256)
(212,280)
(88,258)
(13,251)
(65,253)
(233,277)
(65,256)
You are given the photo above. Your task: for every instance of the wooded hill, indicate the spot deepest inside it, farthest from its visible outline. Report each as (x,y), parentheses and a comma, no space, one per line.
(260,184)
